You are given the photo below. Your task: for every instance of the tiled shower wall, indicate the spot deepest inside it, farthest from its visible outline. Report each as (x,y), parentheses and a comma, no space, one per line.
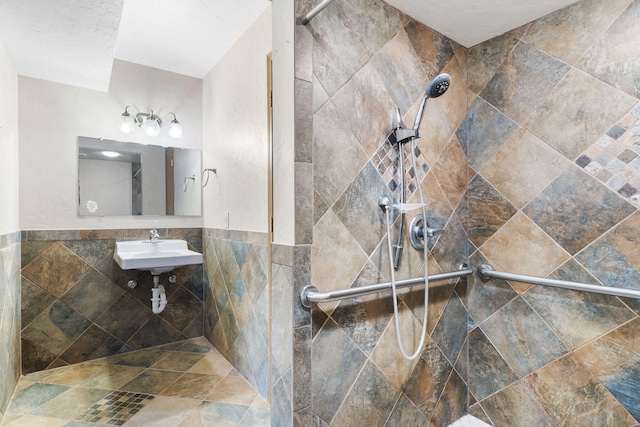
(553,137)
(237,301)
(9,315)
(76,305)
(354,62)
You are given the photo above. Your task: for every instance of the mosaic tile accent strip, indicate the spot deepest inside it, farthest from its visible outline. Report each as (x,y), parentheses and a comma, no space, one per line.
(614,158)
(116,408)
(387,162)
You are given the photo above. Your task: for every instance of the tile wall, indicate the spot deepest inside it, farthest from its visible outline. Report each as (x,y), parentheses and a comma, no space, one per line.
(236,301)
(76,305)
(552,138)
(354,62)
(9,317)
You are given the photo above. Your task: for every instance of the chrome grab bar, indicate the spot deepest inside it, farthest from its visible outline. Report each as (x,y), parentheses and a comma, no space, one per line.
(313,12)
(310,295)
(486,272)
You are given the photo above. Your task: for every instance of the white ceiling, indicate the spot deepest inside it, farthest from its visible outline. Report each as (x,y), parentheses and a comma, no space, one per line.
(75,41)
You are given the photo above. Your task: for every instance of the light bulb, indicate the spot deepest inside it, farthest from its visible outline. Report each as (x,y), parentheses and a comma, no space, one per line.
(175,129)
(126,122)
(151,126)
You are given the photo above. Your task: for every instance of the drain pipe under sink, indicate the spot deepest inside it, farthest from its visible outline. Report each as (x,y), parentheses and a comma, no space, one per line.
(158,296)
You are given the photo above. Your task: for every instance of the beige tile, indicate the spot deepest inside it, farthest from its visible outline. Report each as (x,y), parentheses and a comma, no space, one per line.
(164,411)
(71,403)
(111,377)
(521,247)
(454,101)
(386,354)
(556,33)
(523,167)
(332,242)
(194,386)
(212,364)
(453,172)
(178,361)
(33,421)
(234,390)
(71,375)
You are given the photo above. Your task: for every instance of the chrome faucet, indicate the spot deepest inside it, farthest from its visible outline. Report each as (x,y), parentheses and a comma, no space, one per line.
(154,236)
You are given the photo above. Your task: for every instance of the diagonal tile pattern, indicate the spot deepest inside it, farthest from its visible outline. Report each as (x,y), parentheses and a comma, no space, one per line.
(189,384)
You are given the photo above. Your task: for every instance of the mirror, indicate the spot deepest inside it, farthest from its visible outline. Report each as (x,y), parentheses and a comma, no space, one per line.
(122,178)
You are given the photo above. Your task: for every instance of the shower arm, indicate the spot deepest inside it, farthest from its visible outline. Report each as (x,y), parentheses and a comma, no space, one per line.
(313,12)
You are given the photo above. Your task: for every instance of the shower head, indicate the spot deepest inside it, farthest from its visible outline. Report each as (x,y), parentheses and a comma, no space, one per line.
(437,87)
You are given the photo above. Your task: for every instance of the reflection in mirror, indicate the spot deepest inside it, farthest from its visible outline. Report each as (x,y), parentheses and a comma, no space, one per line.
(121,178)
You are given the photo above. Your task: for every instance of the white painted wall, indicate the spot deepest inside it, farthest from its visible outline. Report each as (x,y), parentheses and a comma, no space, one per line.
(236,132)
(283,125)
(52,116)
(9,206)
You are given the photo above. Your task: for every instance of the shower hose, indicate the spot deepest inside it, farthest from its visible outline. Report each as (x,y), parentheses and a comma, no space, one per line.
(426,266)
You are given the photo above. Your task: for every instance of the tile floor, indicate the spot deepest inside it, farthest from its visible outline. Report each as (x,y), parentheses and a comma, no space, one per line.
(180,384)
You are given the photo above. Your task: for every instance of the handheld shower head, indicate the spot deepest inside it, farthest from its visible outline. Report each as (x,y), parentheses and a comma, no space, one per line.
(437,87)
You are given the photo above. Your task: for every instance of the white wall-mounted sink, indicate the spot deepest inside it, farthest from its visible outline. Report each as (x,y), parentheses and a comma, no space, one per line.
(157,257)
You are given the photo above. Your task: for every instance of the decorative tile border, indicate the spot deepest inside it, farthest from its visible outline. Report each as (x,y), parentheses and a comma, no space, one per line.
(386,161)
(115,408)
(614,159)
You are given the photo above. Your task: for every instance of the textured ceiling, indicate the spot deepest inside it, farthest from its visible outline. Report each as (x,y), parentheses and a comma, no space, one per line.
(75,41)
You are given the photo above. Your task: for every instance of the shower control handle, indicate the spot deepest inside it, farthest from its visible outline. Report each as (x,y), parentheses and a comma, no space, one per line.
(417,232)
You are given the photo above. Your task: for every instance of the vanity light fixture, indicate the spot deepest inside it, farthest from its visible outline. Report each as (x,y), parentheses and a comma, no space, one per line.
(149,123)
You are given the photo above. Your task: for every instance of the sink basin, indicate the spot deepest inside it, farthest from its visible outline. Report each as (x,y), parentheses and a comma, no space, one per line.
(157,257)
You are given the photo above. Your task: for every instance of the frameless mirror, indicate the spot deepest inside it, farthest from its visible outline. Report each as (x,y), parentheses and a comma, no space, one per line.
(122,178)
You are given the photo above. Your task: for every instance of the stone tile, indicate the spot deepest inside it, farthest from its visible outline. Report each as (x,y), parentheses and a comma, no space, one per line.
(537,166)
(485,298)
(452,404)
(92,344)
(253,275)
(516,405)
(365,104)
(34,357)
(71,403)
(567,384)
(484,211)
(344,41)
(82,296)
(358,208)
(387,355)
(34,396)
(483,132)
(451,330)
(522,338)
(369,401)
(453,246)
(34,300)
(196,283)
(452,172)
(30,250)
(489,372)
(563,309)
(338,156)
(194,386)
(92,251)
(152,381)
(182,307)
(227,261)
(35,421)
(432,48)
(614,57)
(405,413)
(335,363)
(178,361)
(56,328)
(625,238)
(124,318)
(255,342)
(428,379)
(554,210)
(521,236)
(168,411)
(155,332)
(455,103)
(613,359)
(332,241)
(56,269)
(556,33)
(401,71)
(577,112)
(110,377)
(233,390)
(212,364)
(485,58)
(523,81)
(66,376)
